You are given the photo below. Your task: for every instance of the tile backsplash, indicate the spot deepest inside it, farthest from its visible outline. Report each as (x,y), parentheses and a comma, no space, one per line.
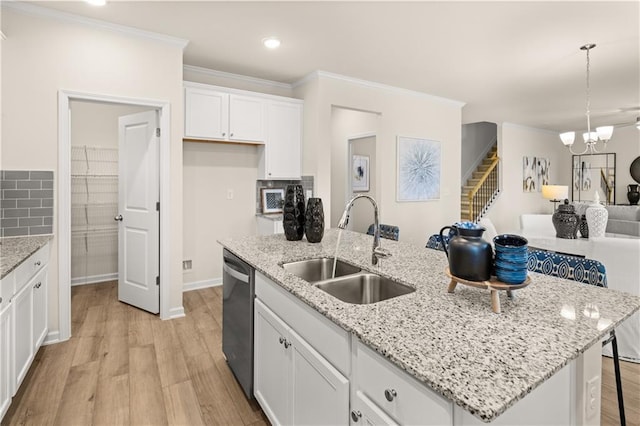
(306,182)
(26,202)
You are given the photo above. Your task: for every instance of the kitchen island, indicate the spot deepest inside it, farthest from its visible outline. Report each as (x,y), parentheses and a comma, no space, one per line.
(452,343)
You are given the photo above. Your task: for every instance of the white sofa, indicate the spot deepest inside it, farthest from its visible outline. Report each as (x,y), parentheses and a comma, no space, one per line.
(621,258)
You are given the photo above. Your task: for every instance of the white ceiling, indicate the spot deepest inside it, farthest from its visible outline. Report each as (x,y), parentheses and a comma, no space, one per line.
(515,62)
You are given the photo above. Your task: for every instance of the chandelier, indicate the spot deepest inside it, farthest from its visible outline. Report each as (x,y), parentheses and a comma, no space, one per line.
(590,138)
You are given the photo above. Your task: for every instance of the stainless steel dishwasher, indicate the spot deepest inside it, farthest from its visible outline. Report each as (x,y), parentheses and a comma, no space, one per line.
(237,318)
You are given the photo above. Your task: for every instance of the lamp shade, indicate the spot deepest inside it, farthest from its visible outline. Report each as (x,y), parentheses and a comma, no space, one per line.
(555,192)
(605,132)
(567,137)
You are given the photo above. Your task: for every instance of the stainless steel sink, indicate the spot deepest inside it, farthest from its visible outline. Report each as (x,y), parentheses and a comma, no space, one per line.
(319,269)
(364,288)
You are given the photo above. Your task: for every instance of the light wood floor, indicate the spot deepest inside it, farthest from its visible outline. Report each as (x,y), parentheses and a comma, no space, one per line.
(126,367)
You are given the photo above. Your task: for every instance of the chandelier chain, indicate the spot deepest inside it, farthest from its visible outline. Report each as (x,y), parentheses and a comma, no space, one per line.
(588,96)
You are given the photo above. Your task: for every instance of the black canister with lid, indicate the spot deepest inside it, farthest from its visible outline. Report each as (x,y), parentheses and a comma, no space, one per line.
(566,221)
(470,257)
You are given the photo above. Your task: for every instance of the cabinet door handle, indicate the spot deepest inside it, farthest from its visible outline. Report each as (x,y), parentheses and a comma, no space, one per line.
(0,299)
(286,344)
(224,133)
(37,263)
(390,394)
(231,135)
(281,340)
(38,285)
(356,415)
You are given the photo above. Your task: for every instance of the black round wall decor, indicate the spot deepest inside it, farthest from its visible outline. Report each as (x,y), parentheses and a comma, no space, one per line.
(635,169)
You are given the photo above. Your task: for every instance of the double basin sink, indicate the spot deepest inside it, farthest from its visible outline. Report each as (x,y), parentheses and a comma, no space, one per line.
(350,284)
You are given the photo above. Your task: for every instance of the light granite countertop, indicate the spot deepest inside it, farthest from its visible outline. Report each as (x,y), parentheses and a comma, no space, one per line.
(452,342)
(15,250)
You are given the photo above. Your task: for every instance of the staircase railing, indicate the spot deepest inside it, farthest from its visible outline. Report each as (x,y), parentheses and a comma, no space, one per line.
(606,188)
(484,191)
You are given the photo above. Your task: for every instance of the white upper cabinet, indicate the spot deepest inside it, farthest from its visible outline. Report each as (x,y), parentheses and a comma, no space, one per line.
(206,114)
(246,118)
(229,115)
(282,154)
(218,115)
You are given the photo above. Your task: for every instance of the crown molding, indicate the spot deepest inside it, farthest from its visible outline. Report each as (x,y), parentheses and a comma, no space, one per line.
(31,9)
(238,77)
(374,85)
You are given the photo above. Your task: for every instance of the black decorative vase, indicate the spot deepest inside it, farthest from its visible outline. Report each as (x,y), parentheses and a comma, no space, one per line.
(314,220)
(566,221)
(293,218)
(583,227)
(632,194)
(470,257)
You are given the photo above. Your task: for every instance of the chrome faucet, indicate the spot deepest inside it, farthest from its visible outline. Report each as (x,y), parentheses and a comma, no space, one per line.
(377,251)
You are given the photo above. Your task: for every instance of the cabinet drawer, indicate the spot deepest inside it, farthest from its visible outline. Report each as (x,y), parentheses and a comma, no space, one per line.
(33,264)
(411,401)
(331,341)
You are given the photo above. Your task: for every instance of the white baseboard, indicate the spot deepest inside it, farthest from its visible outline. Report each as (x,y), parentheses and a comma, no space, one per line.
(196,285)
(176,312)
(52,338)
(92,279)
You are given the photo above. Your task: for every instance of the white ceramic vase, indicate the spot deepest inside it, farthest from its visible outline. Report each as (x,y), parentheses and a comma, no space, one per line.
(597,217)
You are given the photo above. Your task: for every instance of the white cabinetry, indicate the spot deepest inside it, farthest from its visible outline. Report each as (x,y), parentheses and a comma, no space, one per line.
(282,153)
(214,113)
(293,382)
(218,115)
(365,412)
(399,395)
(23,322)
(5,357)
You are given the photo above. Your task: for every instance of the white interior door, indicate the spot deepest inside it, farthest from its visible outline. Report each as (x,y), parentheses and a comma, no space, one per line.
(138,195)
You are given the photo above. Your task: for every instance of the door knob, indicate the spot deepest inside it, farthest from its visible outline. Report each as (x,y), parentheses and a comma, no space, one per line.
(118,218)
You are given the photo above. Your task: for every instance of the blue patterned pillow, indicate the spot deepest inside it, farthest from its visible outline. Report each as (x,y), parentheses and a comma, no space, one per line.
(435,242)
(587,271)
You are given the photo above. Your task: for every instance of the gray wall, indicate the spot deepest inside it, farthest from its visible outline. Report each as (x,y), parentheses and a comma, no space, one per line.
(477,139)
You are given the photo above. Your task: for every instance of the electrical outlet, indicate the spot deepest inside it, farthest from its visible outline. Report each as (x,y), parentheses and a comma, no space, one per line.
(592,397)
(186,265)
(229,194)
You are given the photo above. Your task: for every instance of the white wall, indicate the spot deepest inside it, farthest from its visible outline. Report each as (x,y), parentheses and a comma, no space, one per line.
(402,113)
(515,142)
(210,170)
(345,124)
(96,124)
(42,56)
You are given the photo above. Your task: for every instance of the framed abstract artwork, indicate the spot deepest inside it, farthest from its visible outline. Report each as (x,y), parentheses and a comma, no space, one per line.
(419,164)
(272,200)
(360,173)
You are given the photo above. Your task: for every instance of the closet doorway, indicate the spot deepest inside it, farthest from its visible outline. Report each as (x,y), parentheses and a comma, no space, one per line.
(114,190)
(112,157)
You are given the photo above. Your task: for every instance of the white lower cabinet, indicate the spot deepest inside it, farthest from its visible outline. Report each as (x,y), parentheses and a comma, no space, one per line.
(365,412)
(5,359)
(23,350)
(399,395)
(23,322)
(293,383)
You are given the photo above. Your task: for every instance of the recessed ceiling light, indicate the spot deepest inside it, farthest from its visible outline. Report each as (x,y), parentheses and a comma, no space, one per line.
(96,2)
(271,42)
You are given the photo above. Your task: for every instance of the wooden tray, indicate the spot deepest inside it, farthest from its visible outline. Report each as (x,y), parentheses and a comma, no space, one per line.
(493,285)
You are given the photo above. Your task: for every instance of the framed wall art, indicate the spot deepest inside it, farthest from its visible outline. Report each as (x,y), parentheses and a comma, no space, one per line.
(419,164)
(272,200)
(360,173)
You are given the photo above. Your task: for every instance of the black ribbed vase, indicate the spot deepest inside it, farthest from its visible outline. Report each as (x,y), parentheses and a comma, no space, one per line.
(314,220)
(293,219)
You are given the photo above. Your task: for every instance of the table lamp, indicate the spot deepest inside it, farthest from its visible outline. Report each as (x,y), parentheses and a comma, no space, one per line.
(555,193)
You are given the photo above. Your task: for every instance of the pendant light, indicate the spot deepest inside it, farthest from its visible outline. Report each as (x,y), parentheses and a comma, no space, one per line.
(590,138)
